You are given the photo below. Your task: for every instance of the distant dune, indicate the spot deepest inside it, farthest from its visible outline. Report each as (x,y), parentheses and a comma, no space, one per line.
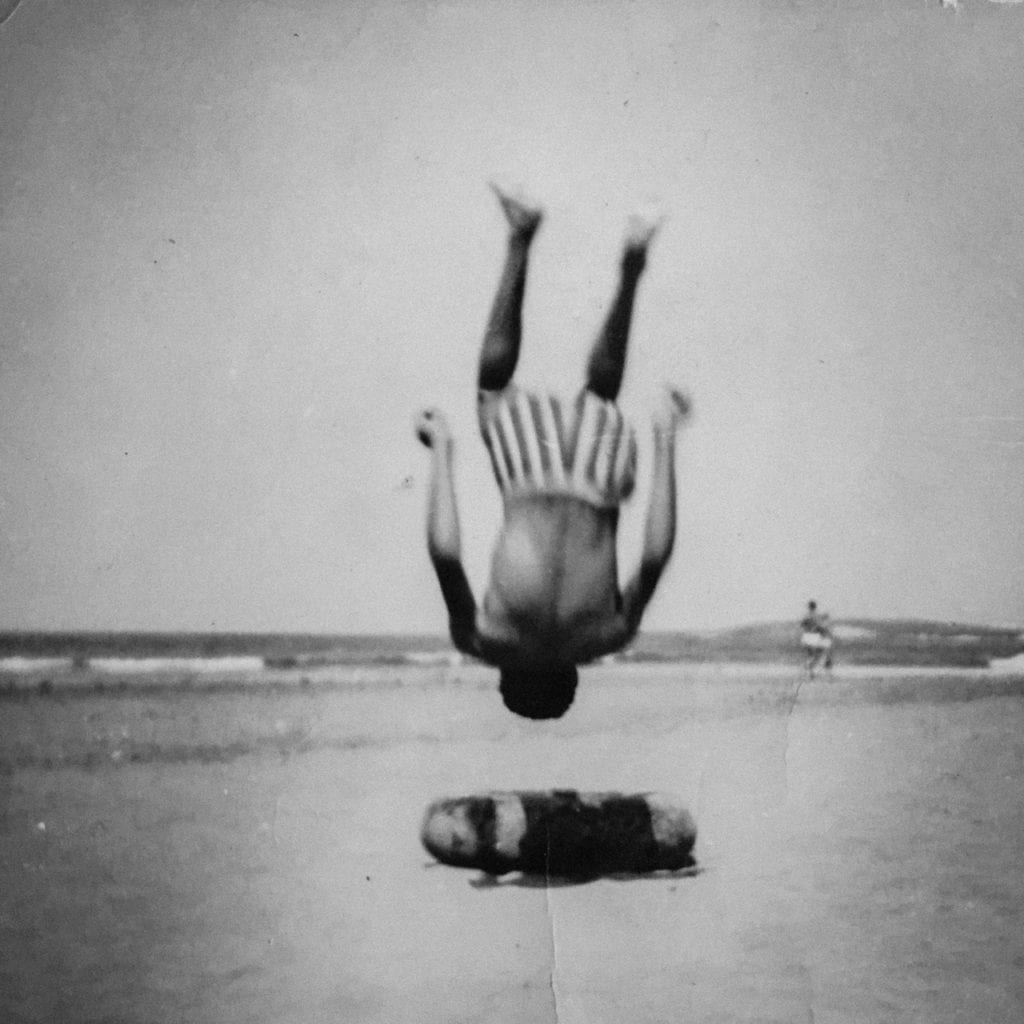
(912,642)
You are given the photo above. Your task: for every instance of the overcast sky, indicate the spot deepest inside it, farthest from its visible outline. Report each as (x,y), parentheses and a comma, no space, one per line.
(241,243)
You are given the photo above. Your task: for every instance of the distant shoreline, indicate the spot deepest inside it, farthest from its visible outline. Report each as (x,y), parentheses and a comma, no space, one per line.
(859,642)
(172,680)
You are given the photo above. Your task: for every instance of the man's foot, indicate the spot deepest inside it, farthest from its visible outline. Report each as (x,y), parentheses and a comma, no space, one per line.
(432,427)
(523,216)
(675,410)
(641,227)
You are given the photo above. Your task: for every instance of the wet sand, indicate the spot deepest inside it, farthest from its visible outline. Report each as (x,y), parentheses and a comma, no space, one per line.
(234,856)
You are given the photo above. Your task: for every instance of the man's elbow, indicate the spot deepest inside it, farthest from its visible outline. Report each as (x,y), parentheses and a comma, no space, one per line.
(640,594)
(463,635)
(651,568)
(445,554)
(630,627)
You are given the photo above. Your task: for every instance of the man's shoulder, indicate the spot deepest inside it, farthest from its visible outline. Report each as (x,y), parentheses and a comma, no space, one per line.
(499,640)
(495,638)
(609,636)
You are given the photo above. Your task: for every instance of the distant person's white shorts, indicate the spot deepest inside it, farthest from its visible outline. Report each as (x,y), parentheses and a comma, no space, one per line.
(815,642)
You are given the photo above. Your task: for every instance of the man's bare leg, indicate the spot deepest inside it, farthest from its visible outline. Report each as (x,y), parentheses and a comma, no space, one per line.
(504,331)
(608,357)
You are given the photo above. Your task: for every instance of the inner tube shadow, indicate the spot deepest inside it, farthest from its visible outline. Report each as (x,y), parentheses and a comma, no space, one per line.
(536,881)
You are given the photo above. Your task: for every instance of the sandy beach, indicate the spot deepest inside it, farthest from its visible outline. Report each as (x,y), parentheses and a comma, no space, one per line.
(253,855)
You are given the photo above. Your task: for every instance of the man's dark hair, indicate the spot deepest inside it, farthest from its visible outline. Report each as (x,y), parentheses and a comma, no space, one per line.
(540,693)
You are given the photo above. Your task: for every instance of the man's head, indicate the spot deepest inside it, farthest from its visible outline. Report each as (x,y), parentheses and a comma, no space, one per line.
(539,693)
(812,606)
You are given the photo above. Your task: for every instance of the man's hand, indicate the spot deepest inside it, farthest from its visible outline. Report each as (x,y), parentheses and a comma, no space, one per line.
(674,411)
(432,428)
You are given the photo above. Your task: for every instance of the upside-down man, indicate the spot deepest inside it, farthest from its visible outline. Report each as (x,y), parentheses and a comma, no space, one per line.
(564,468)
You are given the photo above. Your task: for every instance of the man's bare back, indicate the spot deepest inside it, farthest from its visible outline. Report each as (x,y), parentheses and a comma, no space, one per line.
(554,583)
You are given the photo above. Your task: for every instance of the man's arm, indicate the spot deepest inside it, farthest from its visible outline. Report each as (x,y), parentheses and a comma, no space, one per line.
(443,538)
(660,531)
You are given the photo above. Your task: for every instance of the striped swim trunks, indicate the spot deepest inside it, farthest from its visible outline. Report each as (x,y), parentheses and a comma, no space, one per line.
(541,444)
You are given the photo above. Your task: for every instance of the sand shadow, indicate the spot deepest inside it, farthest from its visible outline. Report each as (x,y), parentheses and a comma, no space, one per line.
(521,880)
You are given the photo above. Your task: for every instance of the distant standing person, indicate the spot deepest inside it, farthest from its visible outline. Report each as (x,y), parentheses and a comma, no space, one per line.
(816,638)
(563,468)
